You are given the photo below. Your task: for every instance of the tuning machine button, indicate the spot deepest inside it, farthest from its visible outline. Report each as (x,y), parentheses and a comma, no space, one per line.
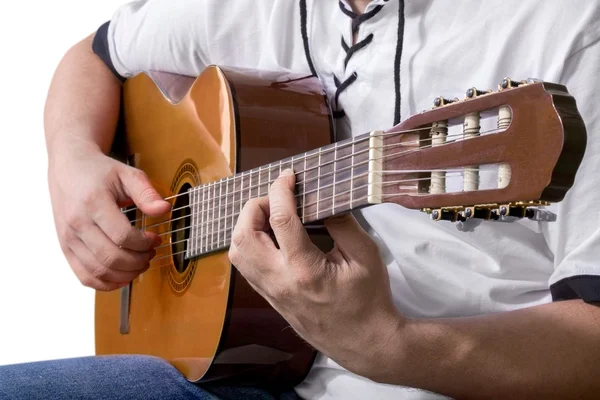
(442,214)
(469,212)
(510,210)
(493,211)
(509,83)
(474,92)
(442,101)
(480,211)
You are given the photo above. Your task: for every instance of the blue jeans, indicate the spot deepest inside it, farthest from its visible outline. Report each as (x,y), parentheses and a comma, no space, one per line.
(113,378)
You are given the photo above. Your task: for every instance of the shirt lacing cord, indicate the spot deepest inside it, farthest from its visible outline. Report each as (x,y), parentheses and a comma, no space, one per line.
(350,50)
(353,49)
(340,87)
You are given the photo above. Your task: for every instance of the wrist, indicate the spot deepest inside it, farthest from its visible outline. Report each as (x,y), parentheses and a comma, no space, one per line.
(387,358)
(61,149)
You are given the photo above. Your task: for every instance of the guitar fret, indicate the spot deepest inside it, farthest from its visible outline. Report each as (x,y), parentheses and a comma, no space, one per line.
(191,242)
(259,184)
(206,218)
(304,191)
(250,186)
(214,206)
(219,214)
(225,219)
(241,194)
(256,188)
(211,217)
(319,184)
(334,177)
(229,227)
(269,184)
(233,203)
(198,229)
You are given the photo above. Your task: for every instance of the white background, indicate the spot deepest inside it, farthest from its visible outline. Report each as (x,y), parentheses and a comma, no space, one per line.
(44,312)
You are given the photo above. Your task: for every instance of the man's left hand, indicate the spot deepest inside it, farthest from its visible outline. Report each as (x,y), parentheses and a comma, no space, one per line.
(340,302)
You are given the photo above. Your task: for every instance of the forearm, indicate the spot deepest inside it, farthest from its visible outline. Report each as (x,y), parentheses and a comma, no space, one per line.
(83,102)
(549,351)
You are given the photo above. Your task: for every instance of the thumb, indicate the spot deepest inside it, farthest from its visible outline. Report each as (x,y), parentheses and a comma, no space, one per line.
(351,239)
(139,189)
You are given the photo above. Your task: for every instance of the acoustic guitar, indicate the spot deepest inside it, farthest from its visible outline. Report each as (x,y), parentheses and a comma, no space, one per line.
(211,143)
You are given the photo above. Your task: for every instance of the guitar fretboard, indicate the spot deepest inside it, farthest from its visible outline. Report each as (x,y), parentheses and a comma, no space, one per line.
(330,180)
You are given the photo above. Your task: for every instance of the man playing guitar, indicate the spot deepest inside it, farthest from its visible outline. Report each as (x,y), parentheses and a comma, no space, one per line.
(402,308)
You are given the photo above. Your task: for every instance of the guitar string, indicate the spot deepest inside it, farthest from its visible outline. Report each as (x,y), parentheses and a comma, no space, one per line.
(249,189)
(306,155)
(223,247)
(282,163)
(233,204)
(218,199)
(236,213)
(299,207)
(299,183)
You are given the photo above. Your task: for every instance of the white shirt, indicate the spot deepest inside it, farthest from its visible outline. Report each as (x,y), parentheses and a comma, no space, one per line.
(436,270)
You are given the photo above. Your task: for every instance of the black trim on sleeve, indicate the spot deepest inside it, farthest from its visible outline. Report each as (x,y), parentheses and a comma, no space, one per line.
(100,47)
(584,287)
(399,44)
(304,33)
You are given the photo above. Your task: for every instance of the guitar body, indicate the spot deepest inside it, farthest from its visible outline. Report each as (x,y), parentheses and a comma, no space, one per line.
(201,315)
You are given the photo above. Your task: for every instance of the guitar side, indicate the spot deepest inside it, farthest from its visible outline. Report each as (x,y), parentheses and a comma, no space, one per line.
(201,315)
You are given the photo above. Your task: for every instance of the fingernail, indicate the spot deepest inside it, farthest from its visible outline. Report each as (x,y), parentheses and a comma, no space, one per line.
(157,241)
(287,172)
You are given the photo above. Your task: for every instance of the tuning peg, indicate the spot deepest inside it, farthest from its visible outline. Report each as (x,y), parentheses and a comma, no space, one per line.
(481,211)
(444,215)
(493,211)
(441,101)
(509,83)
(469,212)
(474,92)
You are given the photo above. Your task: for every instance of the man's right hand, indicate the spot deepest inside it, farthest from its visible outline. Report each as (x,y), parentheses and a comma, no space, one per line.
(87,189)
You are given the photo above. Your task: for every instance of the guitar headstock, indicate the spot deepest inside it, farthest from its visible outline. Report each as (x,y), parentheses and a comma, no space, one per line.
(488,155)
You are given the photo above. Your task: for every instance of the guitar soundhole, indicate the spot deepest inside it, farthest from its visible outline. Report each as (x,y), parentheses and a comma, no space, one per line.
(180,229)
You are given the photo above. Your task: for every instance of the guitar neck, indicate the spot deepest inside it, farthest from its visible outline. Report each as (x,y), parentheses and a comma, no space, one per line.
(330,180)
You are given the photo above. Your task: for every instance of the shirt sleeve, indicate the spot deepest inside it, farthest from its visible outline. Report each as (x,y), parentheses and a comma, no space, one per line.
(185,36)
(575,237)
(154,35)
(100,47)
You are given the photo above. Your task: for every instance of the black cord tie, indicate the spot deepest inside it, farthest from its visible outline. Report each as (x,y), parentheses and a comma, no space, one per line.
(353,49)
(340,87)
(359,19)
(350,50)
